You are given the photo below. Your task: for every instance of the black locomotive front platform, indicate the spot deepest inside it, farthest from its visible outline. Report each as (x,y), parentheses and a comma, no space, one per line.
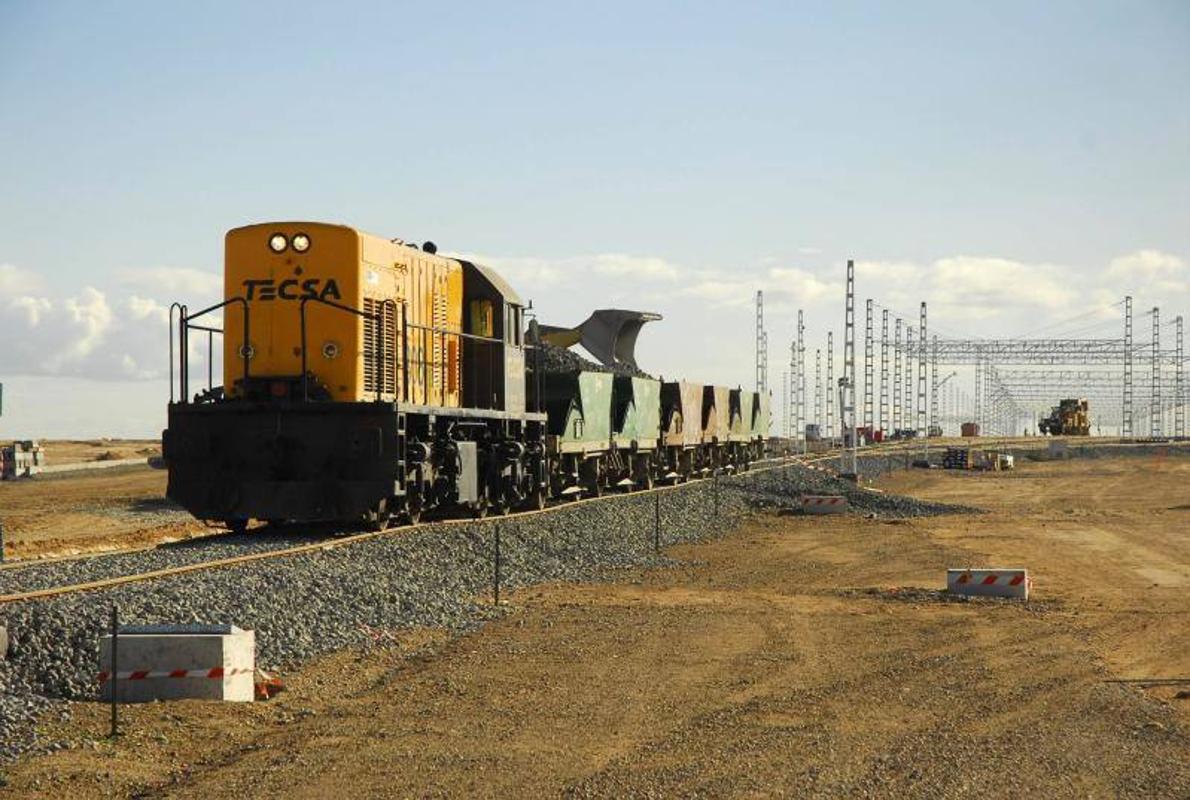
(295,461)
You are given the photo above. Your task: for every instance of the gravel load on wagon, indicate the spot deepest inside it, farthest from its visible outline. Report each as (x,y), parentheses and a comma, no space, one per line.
(565,360)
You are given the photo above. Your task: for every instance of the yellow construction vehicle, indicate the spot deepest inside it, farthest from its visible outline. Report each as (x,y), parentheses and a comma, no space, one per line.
(1069,418)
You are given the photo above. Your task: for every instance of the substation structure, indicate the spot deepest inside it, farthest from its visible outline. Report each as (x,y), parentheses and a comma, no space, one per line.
(909,383)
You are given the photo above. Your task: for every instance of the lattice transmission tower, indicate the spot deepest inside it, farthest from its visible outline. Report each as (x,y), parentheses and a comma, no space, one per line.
(762,347)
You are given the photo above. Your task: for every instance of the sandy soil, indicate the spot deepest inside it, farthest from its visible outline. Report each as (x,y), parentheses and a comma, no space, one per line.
(79,512)
(796,657)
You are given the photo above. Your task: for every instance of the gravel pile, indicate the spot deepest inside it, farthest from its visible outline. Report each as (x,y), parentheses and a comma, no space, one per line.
(781,489)
(437,575)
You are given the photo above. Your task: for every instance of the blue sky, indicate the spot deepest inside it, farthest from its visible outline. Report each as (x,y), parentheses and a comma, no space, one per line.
(673,155)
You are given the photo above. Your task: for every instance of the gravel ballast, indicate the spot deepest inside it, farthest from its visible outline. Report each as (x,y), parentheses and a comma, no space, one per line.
(435,575)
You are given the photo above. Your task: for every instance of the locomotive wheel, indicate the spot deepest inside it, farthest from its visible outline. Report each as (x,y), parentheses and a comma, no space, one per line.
(236,526)
(536,500)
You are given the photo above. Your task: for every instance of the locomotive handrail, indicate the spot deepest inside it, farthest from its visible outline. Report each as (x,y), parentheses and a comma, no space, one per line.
(184,327)
(181,315)
(444,332)
(378,318)
(210,351)
(460,334)
(405,351)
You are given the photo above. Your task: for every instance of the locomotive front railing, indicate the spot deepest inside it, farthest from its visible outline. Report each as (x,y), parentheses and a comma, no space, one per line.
(185,325)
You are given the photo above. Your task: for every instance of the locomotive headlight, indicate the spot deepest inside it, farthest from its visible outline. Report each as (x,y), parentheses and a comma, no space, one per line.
(277,242)
(301,242)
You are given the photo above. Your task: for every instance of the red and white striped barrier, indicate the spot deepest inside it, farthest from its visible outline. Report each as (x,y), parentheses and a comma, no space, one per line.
(824,504)
(989,582)
(216,673)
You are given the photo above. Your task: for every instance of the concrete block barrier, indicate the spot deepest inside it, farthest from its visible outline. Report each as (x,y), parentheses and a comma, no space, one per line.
(824,504)
(989,582)
(87,466)
(176,662)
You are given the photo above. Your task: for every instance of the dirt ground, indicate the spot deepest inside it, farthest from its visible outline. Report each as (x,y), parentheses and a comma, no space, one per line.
(79,512)
(796,657)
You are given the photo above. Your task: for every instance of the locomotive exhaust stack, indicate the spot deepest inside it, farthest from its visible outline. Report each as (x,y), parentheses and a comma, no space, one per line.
(609,334)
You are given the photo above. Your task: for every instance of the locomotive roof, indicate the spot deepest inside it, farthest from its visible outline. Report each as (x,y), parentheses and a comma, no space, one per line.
(490,275)
(497,280)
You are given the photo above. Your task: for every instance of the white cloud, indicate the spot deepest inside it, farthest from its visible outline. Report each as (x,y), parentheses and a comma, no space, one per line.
(990,284)
(1146,264)
(801,285)
(87,334)
(146,308)
(647,268)
(899,271)
(31,309)
(1152,272)
(722,292)
(17,281)
(183,284)
(534,272)
(784,288)
(87,318)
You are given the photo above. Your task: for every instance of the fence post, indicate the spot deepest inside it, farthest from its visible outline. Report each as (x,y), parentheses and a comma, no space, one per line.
(115,671)
(496,600)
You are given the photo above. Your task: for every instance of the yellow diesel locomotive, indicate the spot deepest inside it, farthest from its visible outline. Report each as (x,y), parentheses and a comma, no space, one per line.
(364,379)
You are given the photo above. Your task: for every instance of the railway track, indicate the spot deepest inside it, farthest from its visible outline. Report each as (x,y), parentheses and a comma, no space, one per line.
(327,544)
(809,459)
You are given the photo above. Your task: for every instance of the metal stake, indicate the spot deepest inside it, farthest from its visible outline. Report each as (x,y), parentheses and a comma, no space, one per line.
(497,592)
(115,731)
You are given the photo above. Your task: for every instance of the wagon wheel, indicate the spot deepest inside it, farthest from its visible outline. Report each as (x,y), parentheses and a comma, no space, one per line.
(479,508)
(502,504)
(413,508)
